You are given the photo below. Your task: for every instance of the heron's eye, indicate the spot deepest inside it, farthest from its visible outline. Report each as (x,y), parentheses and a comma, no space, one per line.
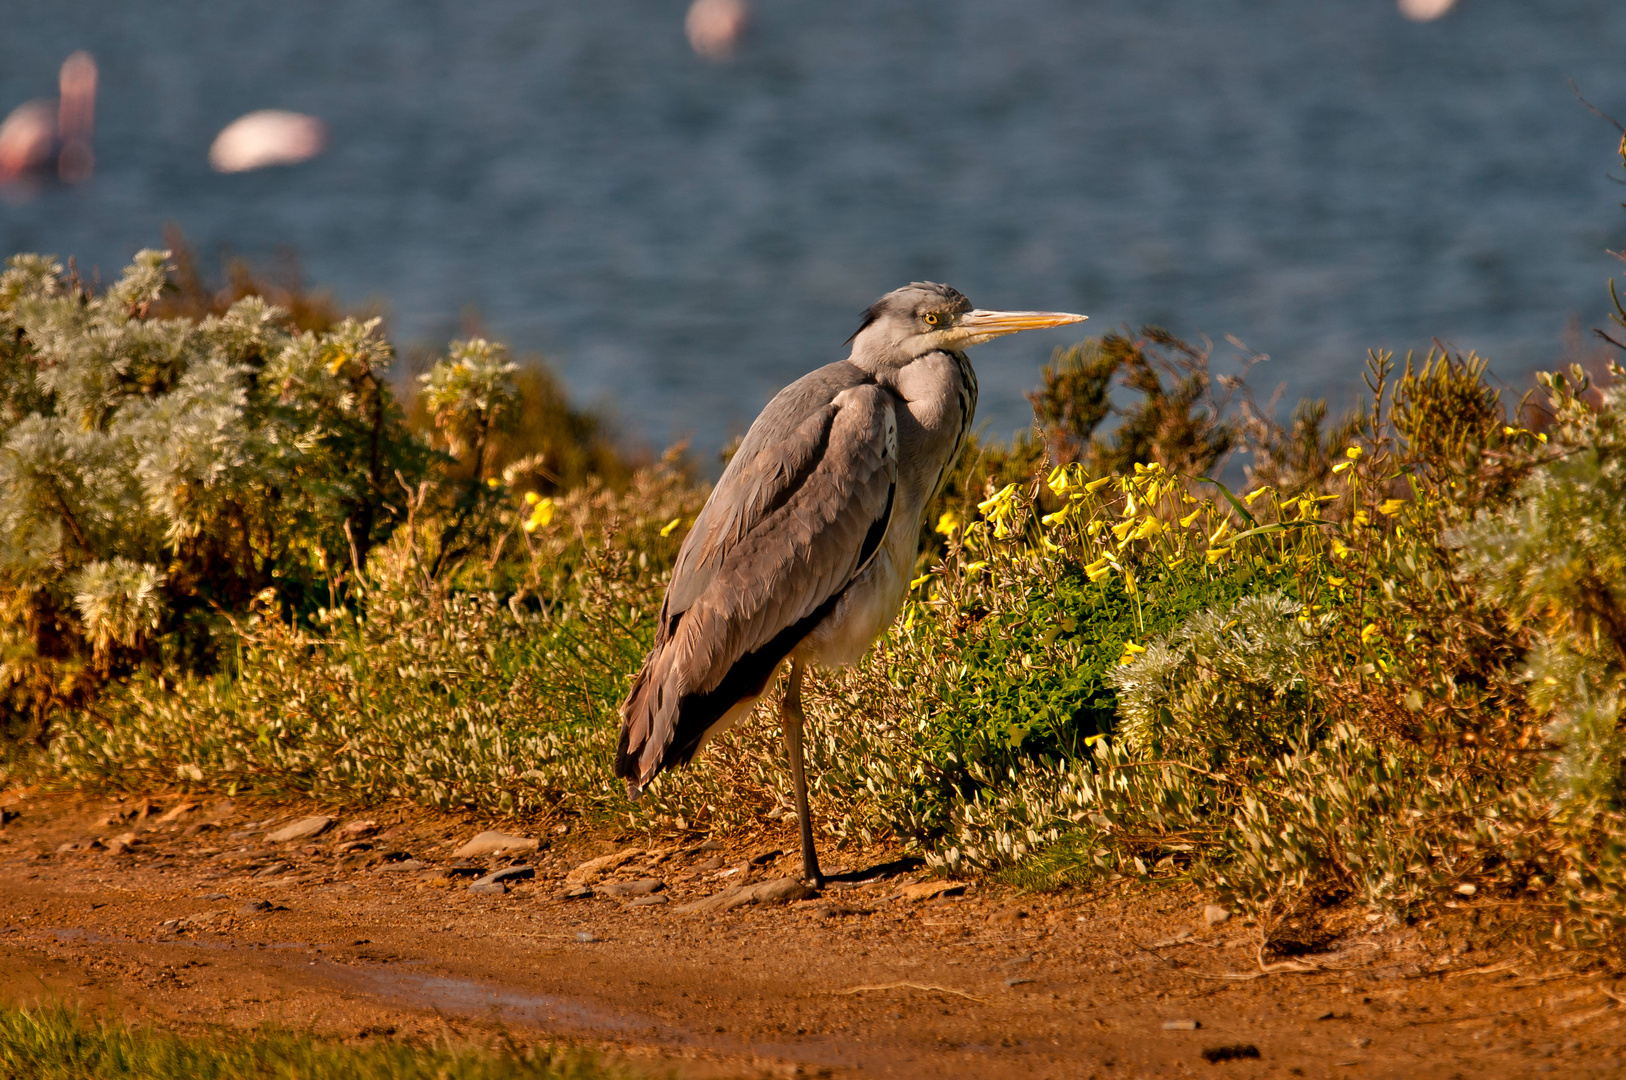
(931,320)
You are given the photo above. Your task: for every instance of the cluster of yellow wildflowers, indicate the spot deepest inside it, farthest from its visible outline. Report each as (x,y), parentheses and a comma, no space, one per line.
(541,514)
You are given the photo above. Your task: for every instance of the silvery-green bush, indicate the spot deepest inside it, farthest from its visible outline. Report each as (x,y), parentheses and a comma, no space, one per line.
(156,474)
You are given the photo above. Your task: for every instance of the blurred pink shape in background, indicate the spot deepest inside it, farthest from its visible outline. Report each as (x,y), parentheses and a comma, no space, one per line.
(41,133)
(267,137)
(1425,10)
(715,27)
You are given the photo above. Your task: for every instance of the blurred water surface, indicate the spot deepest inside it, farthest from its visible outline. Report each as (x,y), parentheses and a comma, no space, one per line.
(681,238)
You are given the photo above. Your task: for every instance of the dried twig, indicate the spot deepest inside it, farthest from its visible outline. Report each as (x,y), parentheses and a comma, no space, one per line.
(913,986)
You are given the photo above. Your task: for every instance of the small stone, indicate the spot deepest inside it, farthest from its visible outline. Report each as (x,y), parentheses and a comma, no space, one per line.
(641,887)
(928,890)
(1016,980)
(213,896)
(352,830)
(1360,1043)
(402,867)
(507,873)
(781,891)
(1214,915)
(586,936)
(254,907)
(561,830)
(352,845)
(655,900)
(274,869)
(578,892)
(488,888)
(178,811)
(1181,1025)
(713,863)
(169,924)
(197,828)
(303,829)
(1467,890)
(123,842)
(763,858)
(710,845)
(593,869)
(493,842)
(82,844)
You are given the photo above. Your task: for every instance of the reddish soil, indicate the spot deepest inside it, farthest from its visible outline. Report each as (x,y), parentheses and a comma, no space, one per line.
(861,981)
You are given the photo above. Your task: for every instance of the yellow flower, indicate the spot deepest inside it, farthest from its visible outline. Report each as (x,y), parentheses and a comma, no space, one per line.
(1335,581)
(1218,534)
(1362,518)
(1390,507)
(1354,453)
(671,526)
(919,581)
(999,502)
(1185,522)
(532,498)
(1215,554)
(1057,480)
(948,522)
(1340,550)
(1541,437)
(1096,485)
(1058,516)
(540,516)
(493,483)
(1368,632)
(1131,650)
(975,566)
(1341,466)
(1254,494)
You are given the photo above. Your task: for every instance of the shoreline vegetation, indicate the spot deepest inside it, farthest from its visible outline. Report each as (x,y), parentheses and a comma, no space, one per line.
(1384,670)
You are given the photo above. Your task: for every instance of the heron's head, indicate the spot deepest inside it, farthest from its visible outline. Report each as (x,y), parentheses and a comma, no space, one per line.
(926,317)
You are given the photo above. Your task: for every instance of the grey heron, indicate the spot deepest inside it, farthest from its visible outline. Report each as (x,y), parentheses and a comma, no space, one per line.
(805,548)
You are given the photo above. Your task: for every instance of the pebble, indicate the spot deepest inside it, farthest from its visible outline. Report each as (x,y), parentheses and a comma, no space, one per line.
(506,874)
(122,843)
(593,869)
(929,890)
(491,888)
(777,891)
(709,845)
(356,829)
(1214,915)
(579,892)
(254,907)
(586,936)
(655,900)
(274,869)
(401,867)
(352,845)
(763,858)
(178,811)
(493,842)
(1181,1025)
(641,887)
(1017,980)
(303,829)
(713,863)
(197,827)
(213,896)
(90,844)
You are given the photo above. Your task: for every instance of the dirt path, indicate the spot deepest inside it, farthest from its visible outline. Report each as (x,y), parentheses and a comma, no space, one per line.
(859,982)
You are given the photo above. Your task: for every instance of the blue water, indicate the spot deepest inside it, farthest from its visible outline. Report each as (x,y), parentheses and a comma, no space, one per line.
(681,238)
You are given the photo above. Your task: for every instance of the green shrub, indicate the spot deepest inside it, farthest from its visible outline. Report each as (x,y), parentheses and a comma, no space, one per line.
(157,472)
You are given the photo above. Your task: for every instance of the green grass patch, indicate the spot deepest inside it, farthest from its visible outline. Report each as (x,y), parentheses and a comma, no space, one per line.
(56,1042)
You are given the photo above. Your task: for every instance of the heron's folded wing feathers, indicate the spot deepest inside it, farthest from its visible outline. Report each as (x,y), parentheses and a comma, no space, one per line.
(799,509)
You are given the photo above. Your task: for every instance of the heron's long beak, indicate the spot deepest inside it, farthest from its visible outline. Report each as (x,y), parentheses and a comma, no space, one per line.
(975,327)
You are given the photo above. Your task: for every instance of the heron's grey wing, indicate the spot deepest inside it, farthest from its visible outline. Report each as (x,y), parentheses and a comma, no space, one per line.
(801,508)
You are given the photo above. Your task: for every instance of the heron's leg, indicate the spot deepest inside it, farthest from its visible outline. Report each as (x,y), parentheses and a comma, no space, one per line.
(791,715)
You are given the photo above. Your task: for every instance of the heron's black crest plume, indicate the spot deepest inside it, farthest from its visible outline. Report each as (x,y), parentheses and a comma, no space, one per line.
(953,300)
